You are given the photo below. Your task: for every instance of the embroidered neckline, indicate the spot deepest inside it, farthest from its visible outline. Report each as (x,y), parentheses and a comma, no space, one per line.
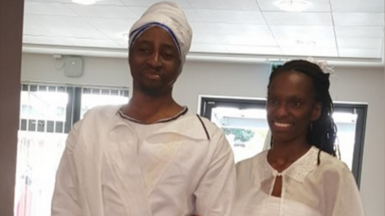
(164,120)
(297,171)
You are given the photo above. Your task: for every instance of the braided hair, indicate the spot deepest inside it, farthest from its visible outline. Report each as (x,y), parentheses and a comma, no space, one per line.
(322,133)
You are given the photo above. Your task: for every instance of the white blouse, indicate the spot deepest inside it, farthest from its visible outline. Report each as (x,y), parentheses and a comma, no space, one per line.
(308,189)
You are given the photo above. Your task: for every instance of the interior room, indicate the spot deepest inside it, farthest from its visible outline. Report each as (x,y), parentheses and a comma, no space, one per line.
(74,57)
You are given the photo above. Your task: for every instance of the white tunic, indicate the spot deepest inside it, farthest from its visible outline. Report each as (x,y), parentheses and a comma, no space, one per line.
(308,189)
(179,170)
(112,203)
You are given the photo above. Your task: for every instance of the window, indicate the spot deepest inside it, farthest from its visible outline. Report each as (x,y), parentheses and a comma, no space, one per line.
(91,97)
(44,108)
(47,113)
(244,123)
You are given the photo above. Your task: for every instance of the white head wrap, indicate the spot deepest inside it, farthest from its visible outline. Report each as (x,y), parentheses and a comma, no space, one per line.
(170,17)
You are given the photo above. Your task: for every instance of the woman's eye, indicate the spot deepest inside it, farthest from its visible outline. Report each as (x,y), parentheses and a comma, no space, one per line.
(296,103)
(272,101)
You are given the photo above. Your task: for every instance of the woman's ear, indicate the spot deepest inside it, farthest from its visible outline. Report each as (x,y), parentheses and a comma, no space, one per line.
(317,110)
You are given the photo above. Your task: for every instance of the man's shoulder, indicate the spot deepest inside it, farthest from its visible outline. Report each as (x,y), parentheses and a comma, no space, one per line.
(194,126)
(99,115)
(209,123)
(204,122)
(103,110)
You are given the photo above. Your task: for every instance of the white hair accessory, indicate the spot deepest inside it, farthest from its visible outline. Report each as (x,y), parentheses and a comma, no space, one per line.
(322,64)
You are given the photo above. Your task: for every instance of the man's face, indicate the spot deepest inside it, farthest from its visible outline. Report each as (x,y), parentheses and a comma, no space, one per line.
(154,62)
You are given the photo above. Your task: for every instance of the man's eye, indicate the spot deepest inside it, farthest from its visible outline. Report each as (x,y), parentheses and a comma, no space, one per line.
(144,50)
(272,101)
(168,55)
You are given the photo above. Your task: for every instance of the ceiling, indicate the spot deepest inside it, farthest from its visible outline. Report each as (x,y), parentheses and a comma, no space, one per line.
(338,29)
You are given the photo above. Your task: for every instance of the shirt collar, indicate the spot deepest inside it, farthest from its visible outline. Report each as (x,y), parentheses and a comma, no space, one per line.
(297,171)
(186,124)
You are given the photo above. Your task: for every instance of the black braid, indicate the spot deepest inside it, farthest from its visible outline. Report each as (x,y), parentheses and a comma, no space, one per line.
(322,132)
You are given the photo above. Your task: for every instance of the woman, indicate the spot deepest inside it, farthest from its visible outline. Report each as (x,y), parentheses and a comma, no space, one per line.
(300,175)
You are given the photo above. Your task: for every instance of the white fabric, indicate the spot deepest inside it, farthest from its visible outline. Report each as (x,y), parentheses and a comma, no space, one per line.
(273,207)
(111,200)
(176,172)
(144,130)
(172,16)
(307,189)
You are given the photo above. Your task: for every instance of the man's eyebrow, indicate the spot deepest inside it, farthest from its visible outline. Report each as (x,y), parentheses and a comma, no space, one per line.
(167,45)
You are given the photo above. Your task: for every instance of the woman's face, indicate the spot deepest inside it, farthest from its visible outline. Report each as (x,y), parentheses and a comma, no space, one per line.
(291,106)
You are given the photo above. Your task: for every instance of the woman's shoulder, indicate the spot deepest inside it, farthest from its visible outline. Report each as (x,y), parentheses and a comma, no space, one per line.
(247,169)
(248,163)
(332,165)
(248,173)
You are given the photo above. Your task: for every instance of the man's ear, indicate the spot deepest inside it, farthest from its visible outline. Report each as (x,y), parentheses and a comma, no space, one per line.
(317,110)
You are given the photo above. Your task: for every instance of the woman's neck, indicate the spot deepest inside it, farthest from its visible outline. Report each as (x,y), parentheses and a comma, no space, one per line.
(282,155)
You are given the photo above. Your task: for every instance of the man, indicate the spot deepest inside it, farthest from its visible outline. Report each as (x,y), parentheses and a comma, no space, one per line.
(151,156)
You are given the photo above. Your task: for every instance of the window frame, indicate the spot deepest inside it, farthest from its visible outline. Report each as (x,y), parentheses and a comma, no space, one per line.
(73,109)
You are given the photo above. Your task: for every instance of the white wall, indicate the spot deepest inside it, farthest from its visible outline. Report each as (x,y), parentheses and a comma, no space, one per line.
(367,85)
(97,71)
(247,80)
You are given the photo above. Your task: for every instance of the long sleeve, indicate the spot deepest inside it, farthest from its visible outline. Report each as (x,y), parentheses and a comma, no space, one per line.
(65,200)
(342,195)
(216,191)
